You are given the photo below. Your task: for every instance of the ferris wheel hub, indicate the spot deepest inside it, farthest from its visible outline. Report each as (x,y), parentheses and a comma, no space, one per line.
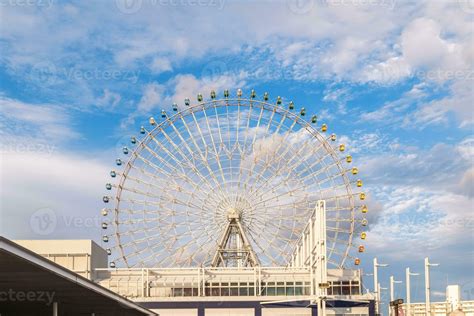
(233,214)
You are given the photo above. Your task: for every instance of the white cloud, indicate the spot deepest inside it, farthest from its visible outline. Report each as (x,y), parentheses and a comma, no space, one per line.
(466,184)
(160,64)
(152,96)
(386,72)
(422,39)
(156,96)
(184,86)
(466,148)
(421,43)
(63,186)
(460,101)
(426,197)
(434,55)
(109,99)
(390,112)
(421,221)
(189,86)
(366,143)
(44,122)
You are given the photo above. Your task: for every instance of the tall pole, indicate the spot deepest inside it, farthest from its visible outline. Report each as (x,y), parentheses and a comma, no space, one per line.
(392,288)
(55,309)
(427,285)
(321,219)
(376,284)
(408,303)
(379,290)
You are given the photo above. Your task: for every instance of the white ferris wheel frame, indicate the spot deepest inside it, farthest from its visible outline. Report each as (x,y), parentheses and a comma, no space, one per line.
(202,106)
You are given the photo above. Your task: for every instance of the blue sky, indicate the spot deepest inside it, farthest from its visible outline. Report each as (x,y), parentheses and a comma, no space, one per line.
(392,78)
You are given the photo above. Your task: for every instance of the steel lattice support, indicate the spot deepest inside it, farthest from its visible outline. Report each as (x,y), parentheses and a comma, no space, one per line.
(311,253)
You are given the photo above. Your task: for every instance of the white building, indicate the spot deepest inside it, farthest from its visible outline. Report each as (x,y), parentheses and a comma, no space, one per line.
(452,304)
(244,291)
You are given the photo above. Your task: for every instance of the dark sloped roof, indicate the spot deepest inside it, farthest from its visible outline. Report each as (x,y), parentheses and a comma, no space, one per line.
(29,283)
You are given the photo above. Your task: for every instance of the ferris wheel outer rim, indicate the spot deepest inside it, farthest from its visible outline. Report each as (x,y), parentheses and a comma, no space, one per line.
(202,106)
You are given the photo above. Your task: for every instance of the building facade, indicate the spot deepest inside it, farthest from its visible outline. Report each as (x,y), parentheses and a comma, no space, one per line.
(220,291)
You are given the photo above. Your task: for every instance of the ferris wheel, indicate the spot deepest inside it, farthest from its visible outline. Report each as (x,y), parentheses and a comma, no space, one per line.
(230,182)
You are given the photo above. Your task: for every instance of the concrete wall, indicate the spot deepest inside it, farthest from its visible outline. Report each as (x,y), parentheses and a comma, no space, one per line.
(229,312)
(80,256)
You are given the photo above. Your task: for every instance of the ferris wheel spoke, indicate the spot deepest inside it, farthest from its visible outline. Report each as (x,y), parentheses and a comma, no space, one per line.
(135,242)
(252,149)
(221,140)
(337,241)
(247,130)
(179,175)
(205,160)
(288,168)
(173,186)
(188,163)
(335,163)
(214,159)
(276,172)
(173,170)
(143,182)
(165,150)
(218,159)
(243,152)
(291,193)
(149,175)
(340,171)
(264,250)
(150,164)
(302,187)
(198,150)
(280,144)
(333,229)
(309,153)
(272,224)
(160,204)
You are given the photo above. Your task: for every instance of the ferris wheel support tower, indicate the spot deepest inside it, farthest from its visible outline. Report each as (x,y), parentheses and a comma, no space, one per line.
(311,252)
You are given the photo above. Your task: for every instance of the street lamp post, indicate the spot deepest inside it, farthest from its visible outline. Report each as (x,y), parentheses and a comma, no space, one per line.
(408,303)
(376,283)
(379,290)
(392,290)
(427,285)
